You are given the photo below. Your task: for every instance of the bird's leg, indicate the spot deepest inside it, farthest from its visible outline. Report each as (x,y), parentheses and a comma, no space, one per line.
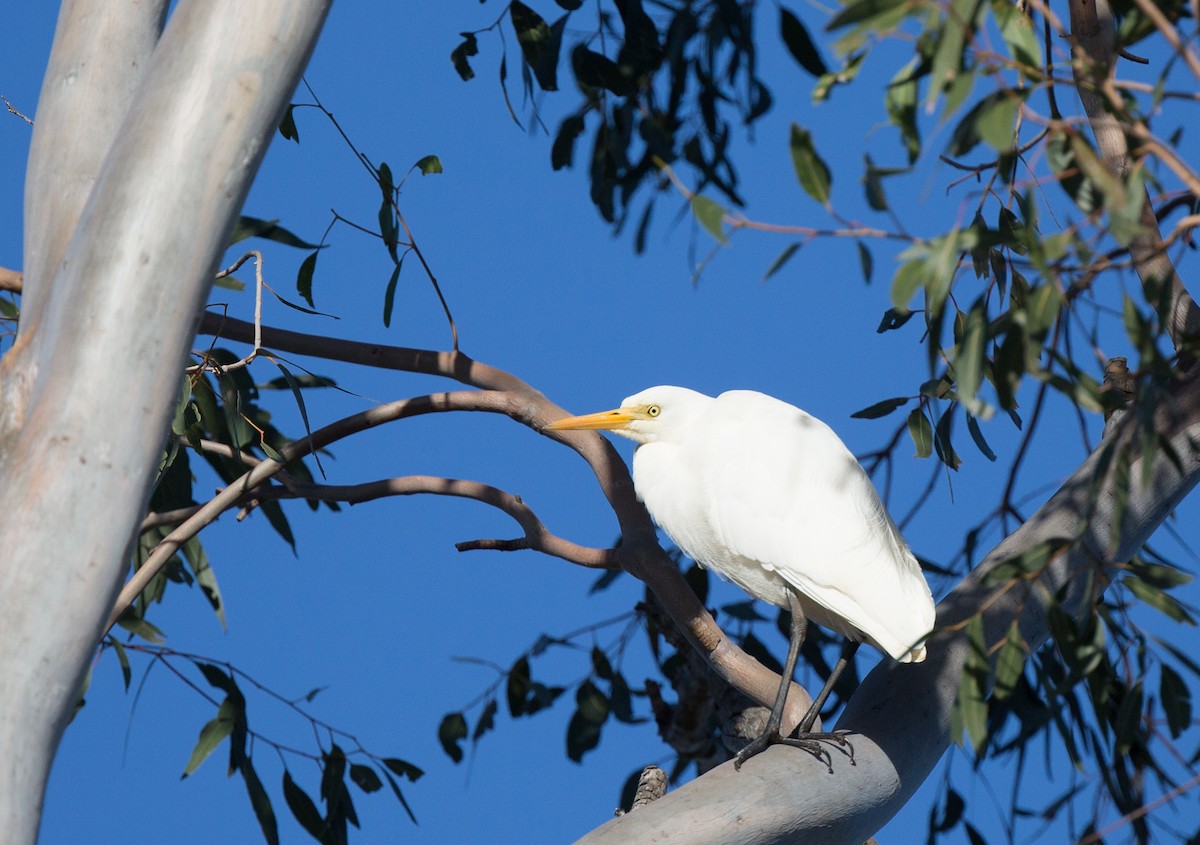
(804,736)
(849,647)
(771,734)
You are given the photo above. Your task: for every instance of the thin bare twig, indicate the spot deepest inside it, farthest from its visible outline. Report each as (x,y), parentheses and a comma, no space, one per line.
(13,110)
(207,363)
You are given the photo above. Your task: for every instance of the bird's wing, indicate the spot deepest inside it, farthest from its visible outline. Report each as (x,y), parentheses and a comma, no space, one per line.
(792,497)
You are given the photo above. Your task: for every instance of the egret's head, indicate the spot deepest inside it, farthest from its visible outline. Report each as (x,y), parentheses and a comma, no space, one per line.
(657,413)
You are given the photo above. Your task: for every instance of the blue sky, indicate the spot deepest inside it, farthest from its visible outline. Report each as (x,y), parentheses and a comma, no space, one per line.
(377,605)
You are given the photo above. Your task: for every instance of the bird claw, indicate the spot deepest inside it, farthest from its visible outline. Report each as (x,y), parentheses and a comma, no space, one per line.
(813,743)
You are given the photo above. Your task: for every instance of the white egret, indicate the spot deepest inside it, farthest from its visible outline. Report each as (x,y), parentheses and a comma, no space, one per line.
(770,498)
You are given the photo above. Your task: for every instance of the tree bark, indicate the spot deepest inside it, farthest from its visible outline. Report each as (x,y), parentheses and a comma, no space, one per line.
(159,139)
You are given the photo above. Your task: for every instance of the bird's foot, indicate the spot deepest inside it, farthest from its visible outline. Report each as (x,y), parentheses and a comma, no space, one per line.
(813,743)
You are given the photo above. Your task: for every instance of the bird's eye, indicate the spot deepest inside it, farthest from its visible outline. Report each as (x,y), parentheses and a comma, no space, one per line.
(653,411)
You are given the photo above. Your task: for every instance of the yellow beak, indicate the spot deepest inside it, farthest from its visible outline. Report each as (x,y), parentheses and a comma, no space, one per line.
(606,420)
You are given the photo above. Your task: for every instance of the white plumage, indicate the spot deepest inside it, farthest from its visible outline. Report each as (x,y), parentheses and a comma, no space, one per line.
(769,497)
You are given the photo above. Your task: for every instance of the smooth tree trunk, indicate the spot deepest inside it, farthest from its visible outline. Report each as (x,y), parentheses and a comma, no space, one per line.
(146,142)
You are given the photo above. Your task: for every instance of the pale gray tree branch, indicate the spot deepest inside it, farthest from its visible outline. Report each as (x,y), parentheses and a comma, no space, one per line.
(1094,38)
(83,87)
(144,147)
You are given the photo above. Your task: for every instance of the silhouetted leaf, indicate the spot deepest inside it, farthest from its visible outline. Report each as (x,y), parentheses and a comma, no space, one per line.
(365,778)
(403,768)
(800,43)
(781,259)
(304,279)
(469,47)
(893,319)
(583,732)
(452,730)
(287,126)
(977,436)
(263,811)
(487,720)
(253,227)
(303,808)
(1176,700)
(400,796)
(880,409)
(539,43)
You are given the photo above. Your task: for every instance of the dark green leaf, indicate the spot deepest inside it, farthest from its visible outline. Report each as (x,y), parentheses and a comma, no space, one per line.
(303,808)
(1010,662)
(977,436)
(942,443)
(562,152)
(957,26)
(811,170)
(1017,31)
(600,665)
(593,704)
(921,432)
(224,282)
(605,581)
(122,659)
(389,295)
(365,778)
(287,126)
(206,579)
(136,625)
(781,259)
(400,796)
(452,730)
(1158,599)
(211,735)
(429,165)
(863,12)
(403,768)
(893,319)
(881,409)
(583,732)
(263,811)
(469,47)
(539,43)
(969,360)
(800,43)
(622,701)
(868,267)
(487,720)
(910,278)
(597,70)
(304,279)
(518,688)
(253,227)
(743,611)
(1176,700)
(969,715)
(1160,575)
(299,397)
